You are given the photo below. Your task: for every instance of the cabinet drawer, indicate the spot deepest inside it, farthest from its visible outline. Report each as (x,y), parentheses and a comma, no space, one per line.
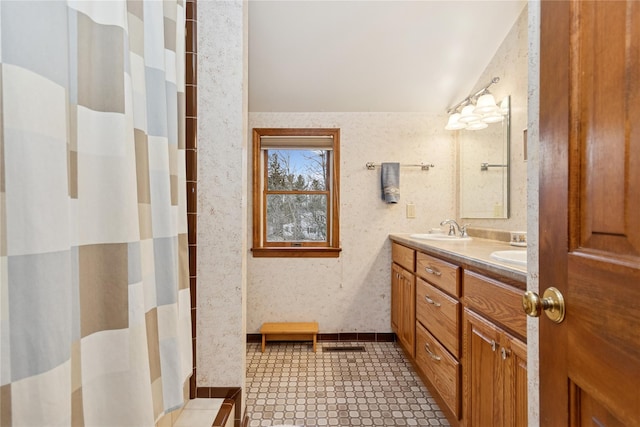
(440,273)
(440,314)
(500,302)
(403,256)
(440,367)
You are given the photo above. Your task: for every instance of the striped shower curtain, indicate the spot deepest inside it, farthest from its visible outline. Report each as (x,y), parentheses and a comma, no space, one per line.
(95,305)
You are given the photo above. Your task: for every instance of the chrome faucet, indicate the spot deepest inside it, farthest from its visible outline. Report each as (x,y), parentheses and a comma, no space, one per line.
(453,225)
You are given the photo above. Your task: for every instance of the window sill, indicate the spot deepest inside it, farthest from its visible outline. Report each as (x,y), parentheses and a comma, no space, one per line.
(298,252)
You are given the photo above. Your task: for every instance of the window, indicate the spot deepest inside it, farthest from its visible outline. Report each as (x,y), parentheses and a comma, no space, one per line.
(296,192)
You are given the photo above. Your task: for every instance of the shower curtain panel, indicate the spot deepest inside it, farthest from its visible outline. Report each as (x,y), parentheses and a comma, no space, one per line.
(95,305)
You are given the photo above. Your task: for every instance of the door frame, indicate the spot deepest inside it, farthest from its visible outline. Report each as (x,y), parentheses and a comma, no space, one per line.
(533,168)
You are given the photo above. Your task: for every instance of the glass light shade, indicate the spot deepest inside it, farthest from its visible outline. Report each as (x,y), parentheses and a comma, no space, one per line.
(486,104)
(453,123)
(477,125)
(493,118)
(468,115)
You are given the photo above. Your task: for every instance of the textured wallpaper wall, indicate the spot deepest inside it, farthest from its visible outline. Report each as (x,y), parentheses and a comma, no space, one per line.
(222,187)
(351,293)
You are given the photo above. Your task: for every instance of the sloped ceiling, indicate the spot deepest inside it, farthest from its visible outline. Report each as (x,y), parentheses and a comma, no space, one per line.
(371,56)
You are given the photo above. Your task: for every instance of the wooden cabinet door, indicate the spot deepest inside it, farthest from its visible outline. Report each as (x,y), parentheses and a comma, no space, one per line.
(408,313)
(403,307)
(483,375)
(396,298)
(513,354)
(495,377)
(589,217)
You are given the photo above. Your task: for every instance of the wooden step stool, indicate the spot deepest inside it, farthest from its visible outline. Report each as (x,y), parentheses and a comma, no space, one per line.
(289,331)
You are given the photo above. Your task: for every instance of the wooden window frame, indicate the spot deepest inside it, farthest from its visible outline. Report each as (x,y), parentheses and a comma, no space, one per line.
(329,249)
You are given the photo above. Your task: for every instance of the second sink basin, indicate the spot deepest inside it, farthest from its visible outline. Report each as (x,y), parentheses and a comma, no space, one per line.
(440,237)
(513,257)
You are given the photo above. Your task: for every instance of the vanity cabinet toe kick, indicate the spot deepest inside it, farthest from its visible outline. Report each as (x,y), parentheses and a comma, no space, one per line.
(465,333)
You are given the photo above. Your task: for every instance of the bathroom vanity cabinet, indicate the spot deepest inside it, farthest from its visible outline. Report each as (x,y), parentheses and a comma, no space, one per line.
(468,336)
(495,354)
(403,291)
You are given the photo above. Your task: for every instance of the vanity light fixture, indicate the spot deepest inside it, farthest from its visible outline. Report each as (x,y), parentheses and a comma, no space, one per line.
(496,117)
(468,114)
(486,104)
(454,123)
(476,111)
(477,125)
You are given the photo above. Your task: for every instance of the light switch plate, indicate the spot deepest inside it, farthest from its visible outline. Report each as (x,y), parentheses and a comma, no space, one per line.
(411,210)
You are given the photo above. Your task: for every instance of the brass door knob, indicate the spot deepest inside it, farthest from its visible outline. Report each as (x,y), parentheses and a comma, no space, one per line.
(552,303)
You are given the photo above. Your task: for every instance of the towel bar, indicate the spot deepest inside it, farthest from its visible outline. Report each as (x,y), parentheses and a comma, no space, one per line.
(423,166)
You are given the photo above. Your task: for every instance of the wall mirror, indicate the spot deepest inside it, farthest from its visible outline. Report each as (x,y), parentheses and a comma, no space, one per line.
(484,169)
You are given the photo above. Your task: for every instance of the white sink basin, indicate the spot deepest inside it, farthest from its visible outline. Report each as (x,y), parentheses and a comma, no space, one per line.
(512,257)
(440,237)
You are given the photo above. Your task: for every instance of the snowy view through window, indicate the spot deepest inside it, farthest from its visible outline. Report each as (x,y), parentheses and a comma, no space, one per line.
(297,195)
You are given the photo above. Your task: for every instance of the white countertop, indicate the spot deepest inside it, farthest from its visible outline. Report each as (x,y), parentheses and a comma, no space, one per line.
(475,253)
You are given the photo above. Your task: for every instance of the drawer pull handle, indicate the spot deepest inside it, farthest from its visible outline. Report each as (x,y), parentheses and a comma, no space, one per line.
(494,345)
(430,301)
(433,271)
(430,353)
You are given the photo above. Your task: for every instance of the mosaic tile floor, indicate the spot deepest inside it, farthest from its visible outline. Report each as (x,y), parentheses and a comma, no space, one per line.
(289,384)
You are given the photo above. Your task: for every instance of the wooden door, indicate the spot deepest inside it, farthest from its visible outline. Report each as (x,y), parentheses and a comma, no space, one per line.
(590,211)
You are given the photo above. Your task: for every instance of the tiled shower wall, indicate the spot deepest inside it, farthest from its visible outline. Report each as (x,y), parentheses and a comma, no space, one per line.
(191,125)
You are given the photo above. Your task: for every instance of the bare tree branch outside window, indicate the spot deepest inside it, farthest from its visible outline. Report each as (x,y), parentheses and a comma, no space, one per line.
(297,195)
